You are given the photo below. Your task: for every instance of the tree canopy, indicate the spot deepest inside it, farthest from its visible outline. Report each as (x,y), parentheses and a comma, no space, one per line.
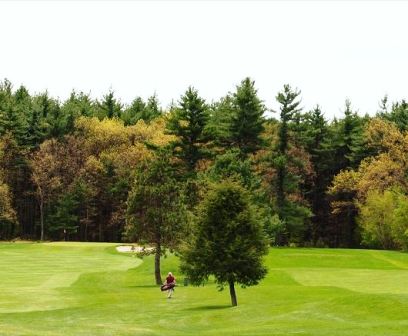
(68,167)
(228,242)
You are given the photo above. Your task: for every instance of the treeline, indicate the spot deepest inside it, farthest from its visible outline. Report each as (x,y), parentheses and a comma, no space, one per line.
(99,170)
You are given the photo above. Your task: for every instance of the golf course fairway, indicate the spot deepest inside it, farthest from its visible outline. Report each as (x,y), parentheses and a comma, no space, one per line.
(91,289)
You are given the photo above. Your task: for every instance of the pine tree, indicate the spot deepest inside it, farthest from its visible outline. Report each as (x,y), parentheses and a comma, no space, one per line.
(155,212)
(139,110)
(77,105)
(109,107)
(219,123)
(316,140)
(64,219)
(291,213)
(188,122)
(247,118)
(12,120)
(348,142)
(134,112)
(349,148)
(152,109)
(289,106)
(228,243)
(398,113)
(35,131)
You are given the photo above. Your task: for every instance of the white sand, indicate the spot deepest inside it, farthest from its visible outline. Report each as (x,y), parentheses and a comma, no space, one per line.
(134,249)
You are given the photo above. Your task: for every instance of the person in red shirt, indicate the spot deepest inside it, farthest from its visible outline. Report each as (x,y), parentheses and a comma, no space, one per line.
(170,284)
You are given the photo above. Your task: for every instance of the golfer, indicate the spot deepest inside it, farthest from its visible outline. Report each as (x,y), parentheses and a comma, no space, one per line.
(170,284)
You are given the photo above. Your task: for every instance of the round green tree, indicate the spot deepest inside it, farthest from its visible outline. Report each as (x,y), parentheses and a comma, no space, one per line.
(229,242)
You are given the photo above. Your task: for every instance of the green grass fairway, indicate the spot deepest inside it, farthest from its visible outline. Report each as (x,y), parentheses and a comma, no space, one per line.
(90,289)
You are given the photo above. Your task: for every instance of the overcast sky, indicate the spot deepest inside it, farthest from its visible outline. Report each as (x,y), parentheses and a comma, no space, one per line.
(329,50)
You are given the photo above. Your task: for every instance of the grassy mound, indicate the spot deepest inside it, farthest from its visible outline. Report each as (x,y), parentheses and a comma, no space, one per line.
(90,289)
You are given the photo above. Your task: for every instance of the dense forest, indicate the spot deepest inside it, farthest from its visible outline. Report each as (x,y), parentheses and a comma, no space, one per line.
(98,170)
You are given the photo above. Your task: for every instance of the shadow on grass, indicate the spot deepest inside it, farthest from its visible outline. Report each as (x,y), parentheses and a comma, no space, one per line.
(144,286)
(214,307)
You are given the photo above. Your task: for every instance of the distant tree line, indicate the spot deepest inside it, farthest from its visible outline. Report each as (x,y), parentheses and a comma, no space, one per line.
(98,170)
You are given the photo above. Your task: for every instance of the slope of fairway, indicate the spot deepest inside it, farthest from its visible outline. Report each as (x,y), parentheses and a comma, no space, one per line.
(90,289)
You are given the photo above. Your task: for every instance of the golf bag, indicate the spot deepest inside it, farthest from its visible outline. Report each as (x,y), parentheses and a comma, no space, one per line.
(167,286)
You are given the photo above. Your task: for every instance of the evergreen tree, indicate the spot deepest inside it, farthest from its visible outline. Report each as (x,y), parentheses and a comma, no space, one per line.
(22,95)
(152,109)
(188,122)
(44,102)
(398,113)
(64,218)
(348,144)
(139,110)
(77,105)
(317,142)
(35,131)
(134,112)
(231,166)
(11,121)
(109,107)
(247,118)
(349,148)
(11,118)
(291,213)
(219,123)
(55,120)
(155,212)
(228,242)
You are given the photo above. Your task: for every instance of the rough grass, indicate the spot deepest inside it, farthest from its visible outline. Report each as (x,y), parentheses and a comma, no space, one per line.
(90,289)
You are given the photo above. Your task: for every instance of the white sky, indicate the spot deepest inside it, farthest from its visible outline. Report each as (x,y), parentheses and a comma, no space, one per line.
(329,50)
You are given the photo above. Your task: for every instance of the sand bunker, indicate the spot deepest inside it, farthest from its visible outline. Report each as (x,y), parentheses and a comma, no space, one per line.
(134,249)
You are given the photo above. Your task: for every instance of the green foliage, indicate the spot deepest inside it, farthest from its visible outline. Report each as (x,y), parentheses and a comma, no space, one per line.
(154,204)
(188,122)
(275,229)
(152,109)
(288,110)
(109,107)
(284,181)
(316,139)
(134,112)
(292,213)
(231,166)
(139,110)
(400,222)
(77,105)
(384,219)
(246,123)
(8,219)
(398,113)
(219,123)
(155,210)
(228,242)
(11,117)
(348,140)
(64,218)
(286,165)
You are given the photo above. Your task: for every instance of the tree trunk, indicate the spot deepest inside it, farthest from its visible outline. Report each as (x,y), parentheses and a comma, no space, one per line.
(100,233)
(42,219)
(157,264)
(232,293)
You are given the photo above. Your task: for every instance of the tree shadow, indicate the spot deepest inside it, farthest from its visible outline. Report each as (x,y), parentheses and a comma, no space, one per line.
(144,286)
(213,307)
